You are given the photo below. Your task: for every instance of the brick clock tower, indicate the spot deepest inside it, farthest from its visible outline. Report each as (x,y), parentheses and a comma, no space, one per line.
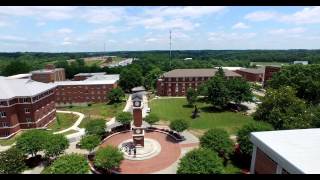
(137,127)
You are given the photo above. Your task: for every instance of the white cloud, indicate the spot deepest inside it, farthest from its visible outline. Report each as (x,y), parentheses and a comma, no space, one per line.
(39,24)
(12,38)
(107,29)
(261,16)
(159,23)
(66,41)
(240,25)
(103,15)
(64,31)
(305,16)
(187,11)
(44,12)
(222,36)
(3,24)
(282,31)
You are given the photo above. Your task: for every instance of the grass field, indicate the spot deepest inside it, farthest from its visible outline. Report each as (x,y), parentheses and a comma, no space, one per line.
(63,121)
(171,109)
(8,142)
(97,111)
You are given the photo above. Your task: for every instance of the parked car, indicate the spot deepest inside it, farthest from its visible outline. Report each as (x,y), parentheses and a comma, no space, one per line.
(148,110)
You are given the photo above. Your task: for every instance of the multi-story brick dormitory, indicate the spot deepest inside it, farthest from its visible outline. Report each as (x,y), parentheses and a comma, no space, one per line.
(91,90)
(252,74)
(269,72)
(25,104)
(49,74)
(176,82)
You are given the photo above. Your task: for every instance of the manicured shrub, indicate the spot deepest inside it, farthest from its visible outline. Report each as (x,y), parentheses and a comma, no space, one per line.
(89,142)
(108,158)
(12,161)
(151,119)
(200,161)
(115,95)
(124,118)
(219,141)
(243,134)
(69,164)
(179,125)
(96,127)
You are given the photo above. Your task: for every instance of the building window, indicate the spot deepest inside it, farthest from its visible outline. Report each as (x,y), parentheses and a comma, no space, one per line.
(3,114)
(6,133)
(4,124)
(3,103)
(26,110)
(24,100)
(28,120)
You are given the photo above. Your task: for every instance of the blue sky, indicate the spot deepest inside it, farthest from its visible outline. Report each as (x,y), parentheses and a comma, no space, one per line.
(70,28)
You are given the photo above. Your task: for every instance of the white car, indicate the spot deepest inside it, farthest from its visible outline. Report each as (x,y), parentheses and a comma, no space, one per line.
(148,110)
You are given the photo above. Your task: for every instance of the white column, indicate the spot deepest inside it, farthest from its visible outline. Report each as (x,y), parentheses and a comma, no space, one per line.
(253,159)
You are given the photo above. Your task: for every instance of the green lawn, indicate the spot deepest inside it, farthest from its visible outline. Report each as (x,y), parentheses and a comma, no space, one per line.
(97,111)
(10,141)
(171,109)
(63,121)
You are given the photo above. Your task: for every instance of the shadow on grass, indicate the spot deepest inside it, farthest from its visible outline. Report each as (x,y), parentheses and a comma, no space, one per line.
(188,106)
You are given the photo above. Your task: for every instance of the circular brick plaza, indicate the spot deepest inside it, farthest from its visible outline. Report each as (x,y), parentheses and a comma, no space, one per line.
(170,153)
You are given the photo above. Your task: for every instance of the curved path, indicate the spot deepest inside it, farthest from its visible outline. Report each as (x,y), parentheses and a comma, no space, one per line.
(75,125)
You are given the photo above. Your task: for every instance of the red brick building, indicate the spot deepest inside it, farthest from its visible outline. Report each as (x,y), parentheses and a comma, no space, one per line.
(91,90)
(25,104)
(286,152)
(269,71)
(49,74)
(176,82)
(251,74)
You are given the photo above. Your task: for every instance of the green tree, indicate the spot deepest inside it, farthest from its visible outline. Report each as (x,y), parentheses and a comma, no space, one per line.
(96,127)
(151,119)
(32,141)
(191,96)
(16,67)
(12,161)
(305,79)
(239,90)
(130,78)
(124,118)
(69,164)
(151,77)
(200,161)
(179,125)
(218,92)
(243,135)
(89,142)
(116,95)
(55,145)
(219,141)
(108,158)
(282,109)
(220,72)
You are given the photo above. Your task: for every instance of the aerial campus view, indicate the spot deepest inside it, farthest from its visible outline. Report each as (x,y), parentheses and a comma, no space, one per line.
(159,90)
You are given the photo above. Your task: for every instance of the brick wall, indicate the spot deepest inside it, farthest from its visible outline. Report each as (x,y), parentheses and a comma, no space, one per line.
(269,71)
(252,77)
(264,164)
(137,116)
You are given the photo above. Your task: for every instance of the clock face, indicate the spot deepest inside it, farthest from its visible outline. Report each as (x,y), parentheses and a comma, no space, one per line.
(138,131)
(137,103)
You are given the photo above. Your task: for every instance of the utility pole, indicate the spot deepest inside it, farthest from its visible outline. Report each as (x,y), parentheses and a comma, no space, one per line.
(170,50)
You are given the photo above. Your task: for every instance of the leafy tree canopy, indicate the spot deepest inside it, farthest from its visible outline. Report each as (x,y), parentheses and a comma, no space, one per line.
(69,164)
(89,142)
(12,161)
(179,125)
(201,161)
(124,117)
(116,95)
(96,127)
(108,158)
(151,119)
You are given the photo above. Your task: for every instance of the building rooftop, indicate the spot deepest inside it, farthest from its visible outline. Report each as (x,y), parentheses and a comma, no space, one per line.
(19,76)
(253,70)
(297,151)
(41,71)
(90,74)
(197,73)
(11,88)
(97,79)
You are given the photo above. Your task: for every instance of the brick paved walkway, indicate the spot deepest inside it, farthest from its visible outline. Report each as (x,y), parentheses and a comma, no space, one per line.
(170,153)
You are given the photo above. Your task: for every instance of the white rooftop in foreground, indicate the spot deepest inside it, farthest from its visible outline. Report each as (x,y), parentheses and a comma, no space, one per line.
(10,88)
(298,151)
(19,76)
(94,80)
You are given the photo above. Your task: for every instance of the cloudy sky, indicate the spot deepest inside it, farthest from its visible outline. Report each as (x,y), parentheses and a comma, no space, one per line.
(66,29)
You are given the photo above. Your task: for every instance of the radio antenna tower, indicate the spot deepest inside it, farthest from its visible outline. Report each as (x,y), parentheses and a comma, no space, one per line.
(170,49)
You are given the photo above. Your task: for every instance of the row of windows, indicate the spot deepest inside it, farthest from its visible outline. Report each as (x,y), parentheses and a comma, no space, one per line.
(187,79)
(80,87)
(79,97)
(73,92)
